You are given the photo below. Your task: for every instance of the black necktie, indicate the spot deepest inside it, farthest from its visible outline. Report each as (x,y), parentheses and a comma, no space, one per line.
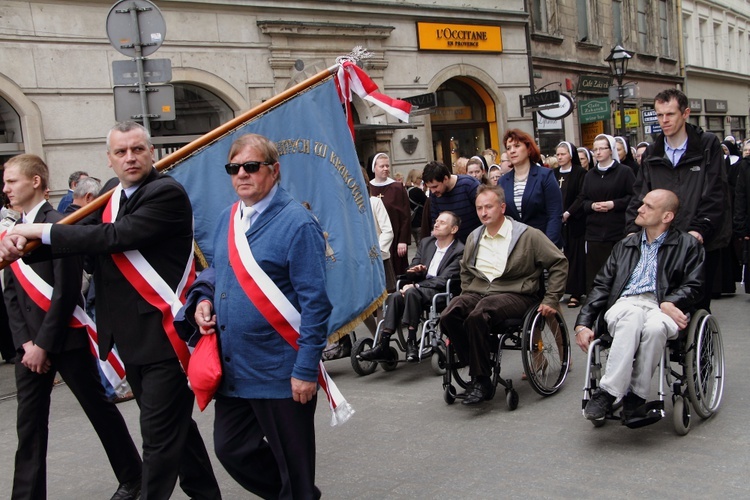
(123,201)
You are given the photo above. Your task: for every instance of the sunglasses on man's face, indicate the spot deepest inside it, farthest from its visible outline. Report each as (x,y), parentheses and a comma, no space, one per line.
(250,167)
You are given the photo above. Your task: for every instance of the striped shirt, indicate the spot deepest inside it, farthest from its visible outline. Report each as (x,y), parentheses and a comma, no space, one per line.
(518,189)
(643,277)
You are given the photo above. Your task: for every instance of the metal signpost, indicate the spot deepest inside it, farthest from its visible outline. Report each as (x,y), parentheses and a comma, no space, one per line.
(136,28)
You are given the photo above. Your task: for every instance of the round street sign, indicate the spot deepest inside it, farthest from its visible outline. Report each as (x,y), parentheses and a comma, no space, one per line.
(123,31)
(563,110)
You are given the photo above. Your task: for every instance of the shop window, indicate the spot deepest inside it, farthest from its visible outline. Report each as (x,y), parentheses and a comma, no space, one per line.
(715,124)
(738,127)
(459,124)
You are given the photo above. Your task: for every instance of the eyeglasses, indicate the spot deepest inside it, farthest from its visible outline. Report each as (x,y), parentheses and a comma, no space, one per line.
(250,167)
(596,150)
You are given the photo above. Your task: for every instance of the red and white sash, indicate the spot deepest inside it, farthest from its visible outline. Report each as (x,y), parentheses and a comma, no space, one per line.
(40,293)
(276,308)
(150,285)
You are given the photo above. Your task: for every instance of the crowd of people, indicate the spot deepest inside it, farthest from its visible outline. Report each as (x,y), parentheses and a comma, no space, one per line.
(514,230)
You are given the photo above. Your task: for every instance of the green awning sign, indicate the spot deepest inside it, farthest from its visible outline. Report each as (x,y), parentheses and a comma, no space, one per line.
(593,110)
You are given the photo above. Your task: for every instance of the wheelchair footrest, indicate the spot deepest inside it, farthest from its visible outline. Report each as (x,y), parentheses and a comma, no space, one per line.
(648,414)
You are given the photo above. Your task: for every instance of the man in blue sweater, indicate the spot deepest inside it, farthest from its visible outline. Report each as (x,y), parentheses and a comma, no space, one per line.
(271,310)
(452,193)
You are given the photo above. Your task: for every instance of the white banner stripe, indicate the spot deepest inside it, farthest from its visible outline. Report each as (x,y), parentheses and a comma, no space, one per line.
(266,284)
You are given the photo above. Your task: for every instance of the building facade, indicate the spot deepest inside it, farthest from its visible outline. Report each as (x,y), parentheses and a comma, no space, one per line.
(570,40)
(717,80)
(56,75)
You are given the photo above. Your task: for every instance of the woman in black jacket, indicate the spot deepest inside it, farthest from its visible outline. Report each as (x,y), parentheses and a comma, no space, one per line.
(607,190)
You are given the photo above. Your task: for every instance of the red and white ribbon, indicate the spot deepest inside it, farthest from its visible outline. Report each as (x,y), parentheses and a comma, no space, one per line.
(276,308)
(152,287)
(350,78)
(40,292)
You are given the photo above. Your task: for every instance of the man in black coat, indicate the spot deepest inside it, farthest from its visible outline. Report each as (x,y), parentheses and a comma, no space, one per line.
(153,221)
(689,162)
(437,260)
(47,344)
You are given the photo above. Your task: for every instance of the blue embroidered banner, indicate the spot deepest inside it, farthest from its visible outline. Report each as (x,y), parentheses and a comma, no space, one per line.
(319,168)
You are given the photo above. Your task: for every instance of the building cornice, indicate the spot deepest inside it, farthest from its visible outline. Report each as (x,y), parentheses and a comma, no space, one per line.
(305,29)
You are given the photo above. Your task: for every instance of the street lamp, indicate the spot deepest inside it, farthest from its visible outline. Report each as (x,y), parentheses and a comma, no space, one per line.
(618,65)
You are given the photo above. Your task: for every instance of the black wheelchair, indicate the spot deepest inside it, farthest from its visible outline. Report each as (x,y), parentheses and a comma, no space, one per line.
(697,380)
(545,347)
(430,339)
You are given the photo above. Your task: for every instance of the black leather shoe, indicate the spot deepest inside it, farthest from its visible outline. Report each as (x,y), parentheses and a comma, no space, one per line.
(380,352)
(599,405)
(477,395)
(632,406)
(412,352)
(128,491)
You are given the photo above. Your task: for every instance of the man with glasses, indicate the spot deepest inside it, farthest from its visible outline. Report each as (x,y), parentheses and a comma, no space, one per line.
(263,303)
(149,219)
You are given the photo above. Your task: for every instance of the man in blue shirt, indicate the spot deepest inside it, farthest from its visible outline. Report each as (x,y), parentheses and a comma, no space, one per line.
(648,285)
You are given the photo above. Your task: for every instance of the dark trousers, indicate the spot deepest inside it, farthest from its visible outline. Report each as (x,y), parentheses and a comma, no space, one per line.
(280,466)
(78,369)
(7,349)
(471,317)
(172,445)
(407,308)
(575,251)
(711,266)
(597,253)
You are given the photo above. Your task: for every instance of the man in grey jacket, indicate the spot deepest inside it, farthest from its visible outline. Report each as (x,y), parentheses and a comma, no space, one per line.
(501,278)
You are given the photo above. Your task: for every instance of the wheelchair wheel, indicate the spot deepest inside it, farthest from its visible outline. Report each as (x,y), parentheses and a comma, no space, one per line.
(437,361)
(391,365)
(362,367)
(449,395)
(704,364)
(511,399)
(546,352)
(461,376)
(681,415)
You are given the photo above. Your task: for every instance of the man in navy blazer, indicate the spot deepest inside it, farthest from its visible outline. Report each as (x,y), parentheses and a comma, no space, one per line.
(47,344)
(437,260)
(154,219)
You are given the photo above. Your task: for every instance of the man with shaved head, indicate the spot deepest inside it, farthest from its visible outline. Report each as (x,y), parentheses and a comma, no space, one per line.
(652,279)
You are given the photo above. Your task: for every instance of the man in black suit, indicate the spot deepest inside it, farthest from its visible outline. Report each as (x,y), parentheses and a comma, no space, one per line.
(436,261)
(47,343)
(150,218)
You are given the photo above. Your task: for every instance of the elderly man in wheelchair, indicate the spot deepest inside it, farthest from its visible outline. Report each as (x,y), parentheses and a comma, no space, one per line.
(648,285)
(437,261)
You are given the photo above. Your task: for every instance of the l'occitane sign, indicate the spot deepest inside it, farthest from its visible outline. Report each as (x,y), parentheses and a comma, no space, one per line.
(459,37)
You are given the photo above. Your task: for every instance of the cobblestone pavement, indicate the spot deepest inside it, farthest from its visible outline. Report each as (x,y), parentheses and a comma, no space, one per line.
(405,442)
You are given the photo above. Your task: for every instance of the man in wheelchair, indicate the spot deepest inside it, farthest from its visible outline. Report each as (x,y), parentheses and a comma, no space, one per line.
(501,278)
(437,261)
(650,281)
